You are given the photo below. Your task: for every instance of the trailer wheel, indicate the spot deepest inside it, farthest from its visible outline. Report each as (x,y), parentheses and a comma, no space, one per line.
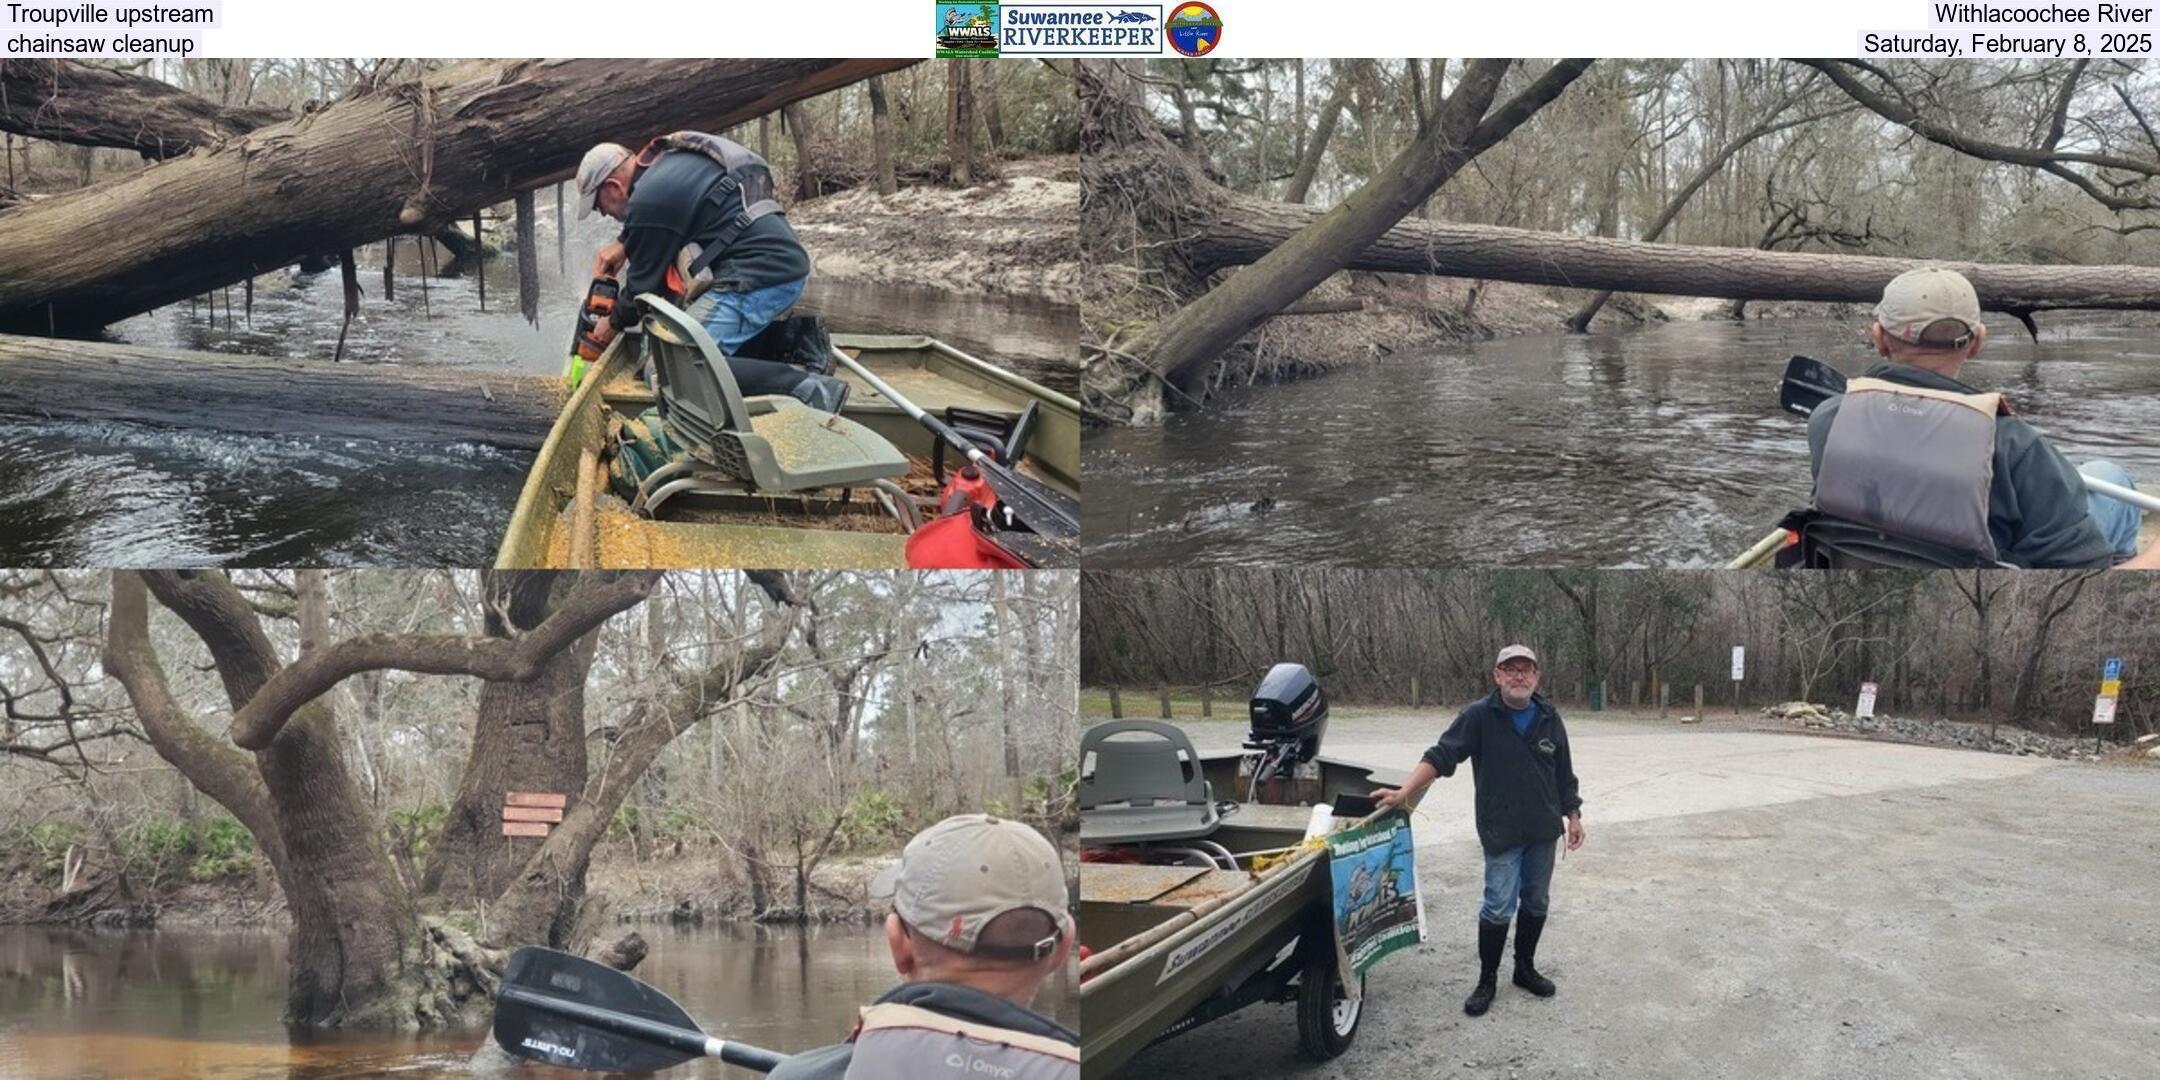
(1327,1020)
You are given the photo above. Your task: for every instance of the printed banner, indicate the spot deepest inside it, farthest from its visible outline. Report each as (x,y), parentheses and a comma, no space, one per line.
(1374,872)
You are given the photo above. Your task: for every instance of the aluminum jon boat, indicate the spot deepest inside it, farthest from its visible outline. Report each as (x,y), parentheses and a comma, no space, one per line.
(1182,926)
(567,517)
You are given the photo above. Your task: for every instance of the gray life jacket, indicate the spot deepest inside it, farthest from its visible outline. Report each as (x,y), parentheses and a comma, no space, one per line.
(904,1042)
(1912,462)
(744,190)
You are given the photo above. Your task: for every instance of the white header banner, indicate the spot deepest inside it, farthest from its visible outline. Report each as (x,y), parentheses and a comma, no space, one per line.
(1062,28)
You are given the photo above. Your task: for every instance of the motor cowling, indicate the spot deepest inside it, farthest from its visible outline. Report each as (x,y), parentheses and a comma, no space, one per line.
(1289,707)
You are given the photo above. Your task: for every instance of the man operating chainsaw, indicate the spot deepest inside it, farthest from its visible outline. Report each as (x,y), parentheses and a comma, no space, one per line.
(698,214)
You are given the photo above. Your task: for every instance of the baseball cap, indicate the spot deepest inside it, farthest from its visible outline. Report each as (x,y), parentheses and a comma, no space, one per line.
(960,875)
(1516,652)
(1918,299)
(591,172)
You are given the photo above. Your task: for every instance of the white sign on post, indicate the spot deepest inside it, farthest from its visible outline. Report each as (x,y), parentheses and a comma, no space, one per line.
(2103,710)
(1867,700)
(1739,662)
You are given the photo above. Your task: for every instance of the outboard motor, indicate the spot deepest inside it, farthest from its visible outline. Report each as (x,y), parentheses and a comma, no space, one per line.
(1289,715)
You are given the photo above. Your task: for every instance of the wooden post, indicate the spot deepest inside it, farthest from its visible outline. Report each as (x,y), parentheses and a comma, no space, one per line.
(1414,699)
(1634,694)
(1207,699)
(1604,694)
(1698,701)
(1117,707)
(1164,691)
(1664,700)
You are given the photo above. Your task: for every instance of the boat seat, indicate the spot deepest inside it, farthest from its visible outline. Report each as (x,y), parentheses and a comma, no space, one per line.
(772,443)
(1834,543)
(1140,783)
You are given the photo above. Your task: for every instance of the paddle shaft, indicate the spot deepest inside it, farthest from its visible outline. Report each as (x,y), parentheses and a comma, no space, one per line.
(1818,391)
(686,1040)
(915,412)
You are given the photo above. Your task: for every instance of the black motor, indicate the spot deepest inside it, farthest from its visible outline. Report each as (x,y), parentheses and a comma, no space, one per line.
(1288,711)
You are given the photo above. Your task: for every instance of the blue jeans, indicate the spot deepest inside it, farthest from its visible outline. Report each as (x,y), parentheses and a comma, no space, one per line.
(2117,519)
(1518,877)
(736,317)
(733,318)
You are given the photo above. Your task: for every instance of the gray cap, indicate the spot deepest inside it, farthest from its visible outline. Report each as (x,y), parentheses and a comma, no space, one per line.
(599,161)
(1516,652)
(1918,299)
(961,873)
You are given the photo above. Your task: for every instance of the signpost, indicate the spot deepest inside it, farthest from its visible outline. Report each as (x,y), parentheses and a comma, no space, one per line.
(1739,671)
(1866,707)
(2110,689)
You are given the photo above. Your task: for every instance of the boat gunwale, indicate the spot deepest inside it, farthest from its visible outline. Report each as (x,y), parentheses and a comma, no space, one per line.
(1272,881)
(533,492)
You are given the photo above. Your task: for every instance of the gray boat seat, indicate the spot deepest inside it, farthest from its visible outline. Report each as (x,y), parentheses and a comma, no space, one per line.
(1140,782)
(772,442)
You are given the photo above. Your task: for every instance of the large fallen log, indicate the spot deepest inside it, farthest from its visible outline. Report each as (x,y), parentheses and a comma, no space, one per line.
(82,380)
(72,102)
(408,158)
(1246,228)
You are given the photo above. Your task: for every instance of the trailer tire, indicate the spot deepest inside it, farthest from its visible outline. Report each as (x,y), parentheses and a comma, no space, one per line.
(1327,1021)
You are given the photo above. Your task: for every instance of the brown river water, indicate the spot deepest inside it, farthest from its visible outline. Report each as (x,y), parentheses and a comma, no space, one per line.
(1661,446)
(170,1003)
(118,494)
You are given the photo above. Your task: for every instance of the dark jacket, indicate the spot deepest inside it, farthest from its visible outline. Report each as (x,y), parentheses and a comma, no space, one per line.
(2038,514)
(668,209)
(959,1002)
(1525,783)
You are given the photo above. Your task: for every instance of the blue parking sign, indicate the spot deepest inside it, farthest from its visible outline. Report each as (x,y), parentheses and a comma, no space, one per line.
(2113,670)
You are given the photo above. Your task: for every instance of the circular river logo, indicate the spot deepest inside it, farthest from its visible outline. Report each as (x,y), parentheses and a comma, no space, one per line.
(1194,29)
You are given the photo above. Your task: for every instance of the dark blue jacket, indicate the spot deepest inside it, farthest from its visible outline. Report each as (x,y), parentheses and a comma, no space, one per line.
(1525,783)
(668,209)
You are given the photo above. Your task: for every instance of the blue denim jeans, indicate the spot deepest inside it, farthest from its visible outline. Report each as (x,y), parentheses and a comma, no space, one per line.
(736,317)
(733,318)
(2117,519)
(1518,877)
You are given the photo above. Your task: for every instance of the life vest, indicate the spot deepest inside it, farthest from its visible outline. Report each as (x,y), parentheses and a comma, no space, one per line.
(743,190)
(1912,462)
(905,1042)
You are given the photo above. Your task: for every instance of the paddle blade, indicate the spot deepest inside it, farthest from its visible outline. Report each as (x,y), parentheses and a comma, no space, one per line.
(565,1010)
(1048,513)
(1808,383)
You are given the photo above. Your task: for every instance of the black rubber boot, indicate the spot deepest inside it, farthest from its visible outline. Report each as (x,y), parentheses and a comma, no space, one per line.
(1491,940)
(1528,928)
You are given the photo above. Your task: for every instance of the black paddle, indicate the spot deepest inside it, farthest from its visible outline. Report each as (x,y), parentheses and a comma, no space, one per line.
(1050,514)
(1808,383)
(559,1009)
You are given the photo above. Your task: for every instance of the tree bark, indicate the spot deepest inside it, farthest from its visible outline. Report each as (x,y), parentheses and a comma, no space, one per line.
(72,102)
(527,736)
(809,170)
(1246,229)
(85,380)
(1314,149)
(408,158)
(528,259)
(881,137)
(959,123)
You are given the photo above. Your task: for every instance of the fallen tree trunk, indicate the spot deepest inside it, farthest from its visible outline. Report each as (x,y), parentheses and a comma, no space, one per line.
(72,102)
(1246,228)
(80,380)
(408,158)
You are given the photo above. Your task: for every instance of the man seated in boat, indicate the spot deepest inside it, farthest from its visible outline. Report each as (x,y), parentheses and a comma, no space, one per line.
(979,920)
(1912,451)
(703,206)
(1525,780)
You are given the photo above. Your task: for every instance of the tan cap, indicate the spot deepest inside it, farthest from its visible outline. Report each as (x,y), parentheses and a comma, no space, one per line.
(961,873)
(1918,299)
(599,161)
(1515,652)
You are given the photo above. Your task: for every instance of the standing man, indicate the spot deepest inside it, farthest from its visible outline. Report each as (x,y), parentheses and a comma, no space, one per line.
(978,922)
(703,206)
(1525,777)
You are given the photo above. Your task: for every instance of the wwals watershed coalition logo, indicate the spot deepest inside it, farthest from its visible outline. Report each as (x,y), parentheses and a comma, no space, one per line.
(967,30)
(1080,30)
